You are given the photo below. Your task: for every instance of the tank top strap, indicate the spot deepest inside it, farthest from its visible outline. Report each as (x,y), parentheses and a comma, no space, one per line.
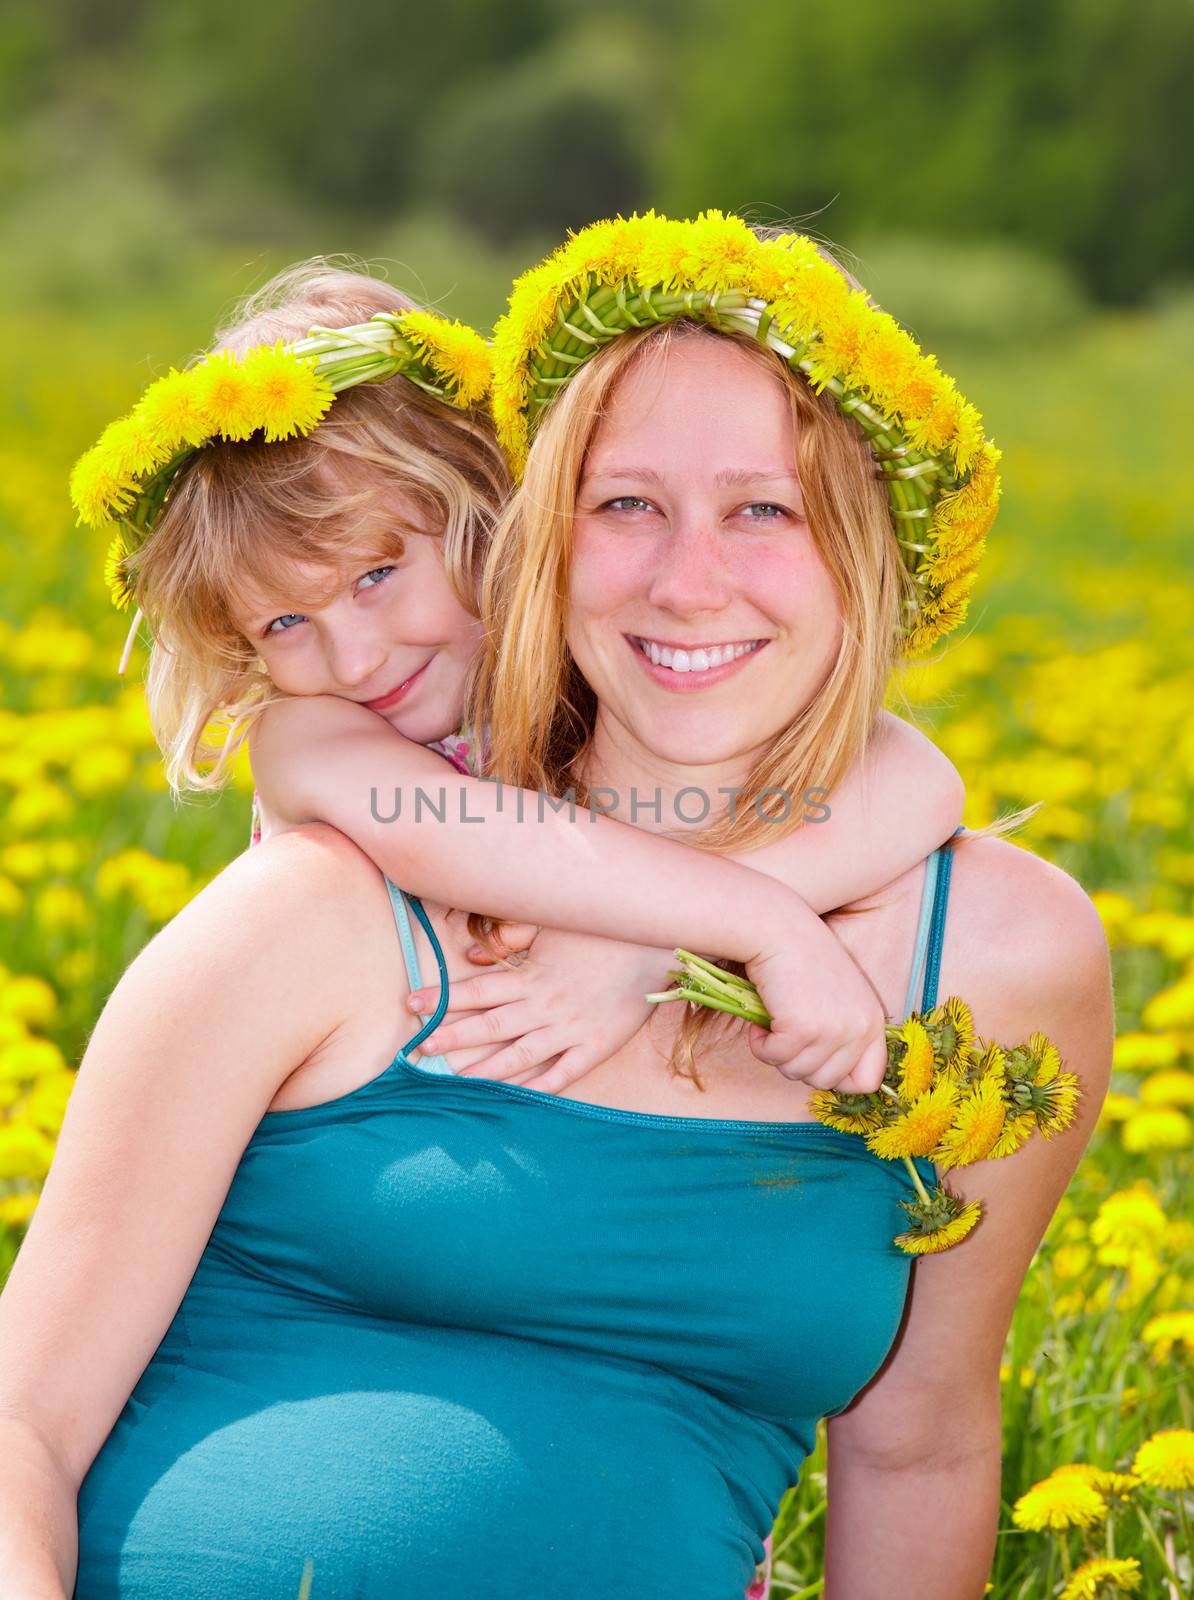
(398,902)
(930,929)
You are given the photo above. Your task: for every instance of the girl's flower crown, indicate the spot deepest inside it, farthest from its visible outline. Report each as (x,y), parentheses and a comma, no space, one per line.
(275,390)
(634,272)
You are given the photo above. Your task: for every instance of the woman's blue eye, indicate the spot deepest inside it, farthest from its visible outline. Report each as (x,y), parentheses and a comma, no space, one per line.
(374,572)
(629,502)
(768,510)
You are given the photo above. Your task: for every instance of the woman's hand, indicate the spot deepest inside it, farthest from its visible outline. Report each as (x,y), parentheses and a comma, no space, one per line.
(827,1024)
(553,1023)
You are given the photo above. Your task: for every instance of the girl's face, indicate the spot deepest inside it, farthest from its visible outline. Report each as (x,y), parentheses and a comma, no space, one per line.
(701,612)
(393,637)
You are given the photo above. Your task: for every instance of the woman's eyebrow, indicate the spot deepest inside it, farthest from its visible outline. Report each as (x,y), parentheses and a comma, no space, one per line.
(731,477)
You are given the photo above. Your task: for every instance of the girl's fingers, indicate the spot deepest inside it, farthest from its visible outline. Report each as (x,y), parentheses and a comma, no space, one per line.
(525,1055)
(470,994)
(571,1066)
(482,1027)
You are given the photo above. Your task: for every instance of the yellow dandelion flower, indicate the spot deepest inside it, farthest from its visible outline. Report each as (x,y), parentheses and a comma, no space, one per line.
(1167,1332)
(1175,1088)
(917,1243)
(1102,1577)
(1172,1007)
(1059,1502)
(30,1000)
(978,1121)
(1046,1055)
(916,1067)
(849,1113)
(288,396)
(1157,1128)
(1071,1260)
(132,447)
(1166,1461)
(1017,1130)
(1128,1220)
(920,1128)
(117,580)
(1117,1108)
(226,396)
(171,407)
(97,492)
(1060,1096)
(457,354)
(1106,1482)
(25,1152)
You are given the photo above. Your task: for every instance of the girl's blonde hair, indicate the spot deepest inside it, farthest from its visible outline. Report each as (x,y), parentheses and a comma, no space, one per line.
(254,512)
(541,713)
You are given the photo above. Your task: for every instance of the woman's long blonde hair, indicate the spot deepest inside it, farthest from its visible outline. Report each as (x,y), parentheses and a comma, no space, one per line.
(540,711)
(253,512)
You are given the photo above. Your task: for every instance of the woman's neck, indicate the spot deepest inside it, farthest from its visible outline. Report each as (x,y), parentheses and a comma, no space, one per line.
(635,785)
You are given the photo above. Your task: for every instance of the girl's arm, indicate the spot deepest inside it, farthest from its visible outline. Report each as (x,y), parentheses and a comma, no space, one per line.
(900,800)
(511,853)
(217,1010)
(914,1462)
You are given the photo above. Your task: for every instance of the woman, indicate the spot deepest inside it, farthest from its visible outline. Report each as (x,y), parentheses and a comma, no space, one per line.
(576,1353)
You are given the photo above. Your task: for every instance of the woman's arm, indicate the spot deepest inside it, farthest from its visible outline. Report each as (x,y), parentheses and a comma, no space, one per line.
(222,1005)
(914,1463)
(901,799)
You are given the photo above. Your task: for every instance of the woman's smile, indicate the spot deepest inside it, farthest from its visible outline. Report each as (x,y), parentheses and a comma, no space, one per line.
(688,669)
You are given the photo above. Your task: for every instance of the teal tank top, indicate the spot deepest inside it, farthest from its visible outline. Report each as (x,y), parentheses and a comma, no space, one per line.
(453,1336)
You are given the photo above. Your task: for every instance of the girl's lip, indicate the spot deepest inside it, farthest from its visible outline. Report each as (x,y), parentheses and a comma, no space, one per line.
(688,682)
(392,699)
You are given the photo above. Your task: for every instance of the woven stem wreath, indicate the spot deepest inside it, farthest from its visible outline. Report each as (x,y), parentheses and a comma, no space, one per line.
(641,271)
(278,391)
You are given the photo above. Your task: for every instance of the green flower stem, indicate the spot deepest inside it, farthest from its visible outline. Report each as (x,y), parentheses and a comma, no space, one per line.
(1184,1519)
(915,1176)
(1063,1548)
(1147,1524)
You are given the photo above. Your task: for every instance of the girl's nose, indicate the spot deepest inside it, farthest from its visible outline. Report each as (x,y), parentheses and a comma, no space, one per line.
(689,574)
(354,656)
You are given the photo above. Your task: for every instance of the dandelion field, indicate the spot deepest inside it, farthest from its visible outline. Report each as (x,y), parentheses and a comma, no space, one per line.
(1072,682)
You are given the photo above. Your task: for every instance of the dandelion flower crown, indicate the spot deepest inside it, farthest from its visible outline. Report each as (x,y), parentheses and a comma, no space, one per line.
(638,271)
(279,391)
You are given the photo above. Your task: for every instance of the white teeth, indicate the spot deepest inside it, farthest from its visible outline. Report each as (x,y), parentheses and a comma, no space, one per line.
(700,660)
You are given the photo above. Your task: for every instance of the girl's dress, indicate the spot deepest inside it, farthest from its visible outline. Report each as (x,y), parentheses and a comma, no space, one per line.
(454,1336)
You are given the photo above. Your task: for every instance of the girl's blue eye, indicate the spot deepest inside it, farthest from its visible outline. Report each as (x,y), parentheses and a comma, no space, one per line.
(628,502)
(291,617)
(287,618)
(769,510)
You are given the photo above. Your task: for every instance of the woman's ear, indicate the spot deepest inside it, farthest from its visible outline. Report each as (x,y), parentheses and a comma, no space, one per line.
(510,938)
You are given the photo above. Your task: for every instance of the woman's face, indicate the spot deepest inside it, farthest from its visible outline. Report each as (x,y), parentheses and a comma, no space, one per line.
(392,636)
(690,537)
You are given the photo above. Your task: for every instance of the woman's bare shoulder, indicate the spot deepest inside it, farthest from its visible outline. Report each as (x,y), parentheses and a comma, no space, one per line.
(1020,931)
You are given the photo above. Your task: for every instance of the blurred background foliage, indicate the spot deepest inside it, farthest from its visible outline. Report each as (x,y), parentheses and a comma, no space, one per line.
(143,141)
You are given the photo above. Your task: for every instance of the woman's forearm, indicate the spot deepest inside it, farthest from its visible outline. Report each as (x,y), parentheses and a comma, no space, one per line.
(38,1518)
(922,1531)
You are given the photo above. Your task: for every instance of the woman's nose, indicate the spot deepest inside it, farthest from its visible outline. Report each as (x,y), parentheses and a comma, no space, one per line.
(690,574)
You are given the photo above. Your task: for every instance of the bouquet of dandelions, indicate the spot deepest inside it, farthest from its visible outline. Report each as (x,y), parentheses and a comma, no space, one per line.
(946,1096)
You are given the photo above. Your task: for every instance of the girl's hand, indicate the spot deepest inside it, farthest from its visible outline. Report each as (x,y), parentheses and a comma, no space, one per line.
(827,1024)
(553,1022)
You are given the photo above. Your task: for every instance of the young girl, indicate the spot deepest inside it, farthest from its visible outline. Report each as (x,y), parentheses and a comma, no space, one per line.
(321,591)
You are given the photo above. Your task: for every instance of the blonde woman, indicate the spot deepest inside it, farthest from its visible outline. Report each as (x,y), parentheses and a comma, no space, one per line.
(217,1335)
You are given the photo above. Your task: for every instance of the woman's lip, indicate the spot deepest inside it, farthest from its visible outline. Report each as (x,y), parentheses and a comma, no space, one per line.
(688,682)
(392,699)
